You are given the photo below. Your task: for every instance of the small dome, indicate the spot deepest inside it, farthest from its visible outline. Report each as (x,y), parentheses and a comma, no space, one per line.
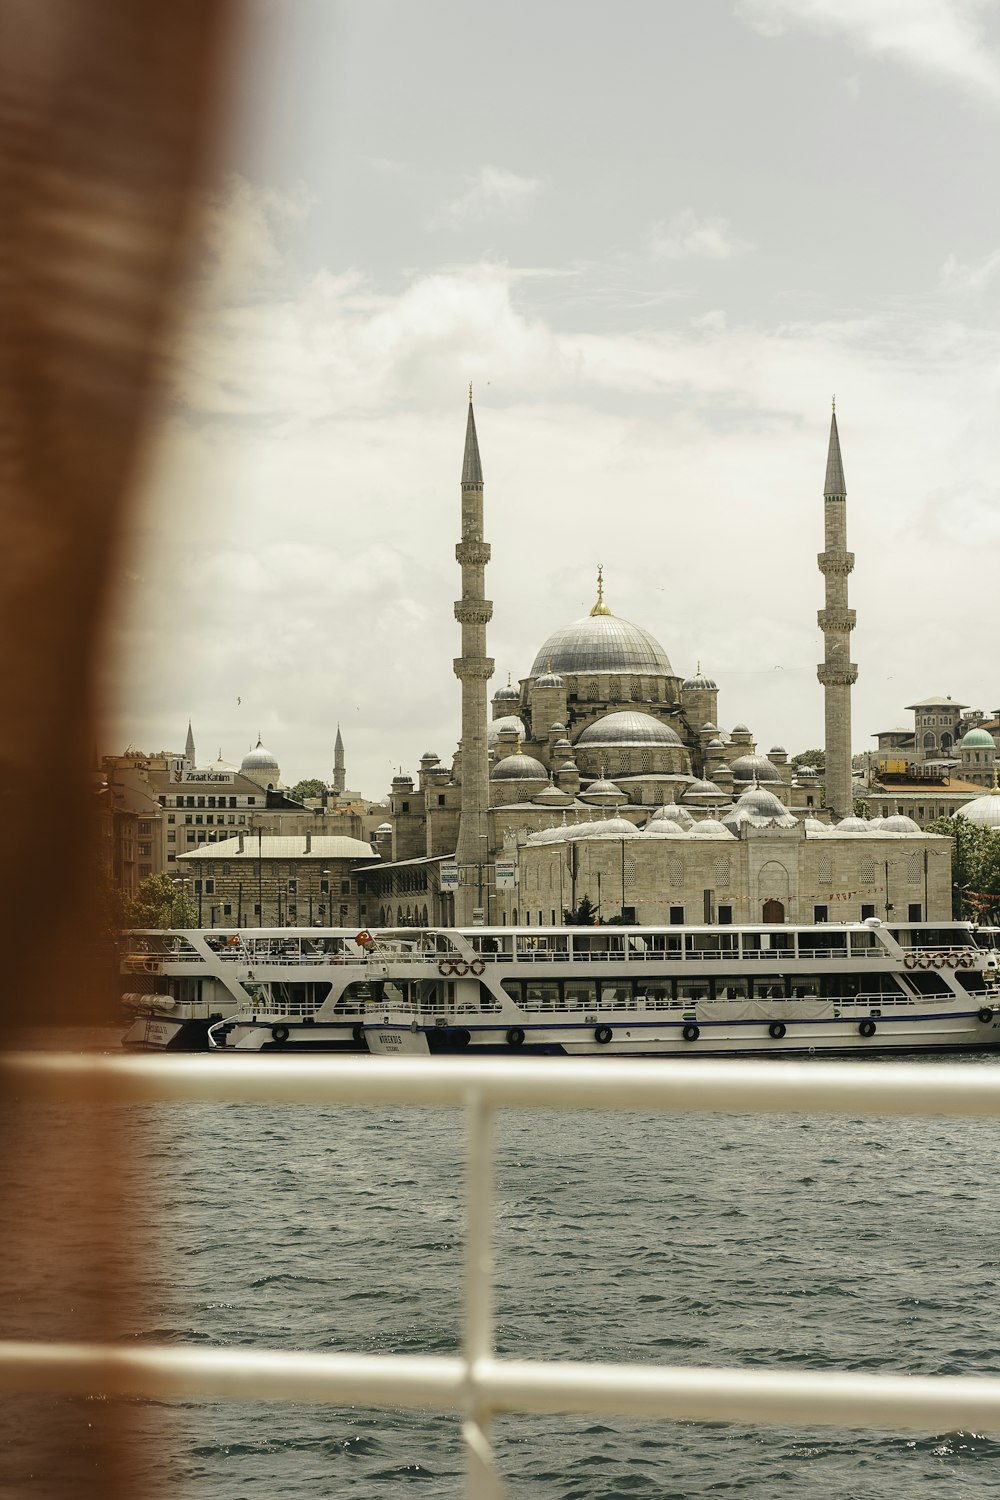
(754,768)
(506,721)
(549,680)
(700,682)
(710,828)
(606,828)
(740,729)
(813,825)
(700,789)
(259,759)
(977,739)
(671,813)
(383,828)
(715,744)
(854,825)
(629,728)
(548,835)
(777,750)
(554,795)
(519,767)
(898,823)
(663,828)
(508,694)
(759,807)
(709,728)
(604,788)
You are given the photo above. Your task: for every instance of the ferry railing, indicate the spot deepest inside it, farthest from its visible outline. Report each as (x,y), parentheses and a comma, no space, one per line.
(474,1382)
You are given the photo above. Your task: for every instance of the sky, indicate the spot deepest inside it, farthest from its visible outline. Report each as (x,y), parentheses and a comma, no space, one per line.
(658,237)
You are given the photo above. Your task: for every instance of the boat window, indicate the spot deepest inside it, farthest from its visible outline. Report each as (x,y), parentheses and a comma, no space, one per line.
(616,992)
(732,989)
(580,994)
(515,989)
(827,941)
(927,982)
(655,992)
(804,987)
(709,944)
(691,991)
(769,989)
(864,942)
(541,994)
(973,982)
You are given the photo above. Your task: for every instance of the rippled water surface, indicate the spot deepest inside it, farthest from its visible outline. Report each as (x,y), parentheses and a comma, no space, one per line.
(862,1244)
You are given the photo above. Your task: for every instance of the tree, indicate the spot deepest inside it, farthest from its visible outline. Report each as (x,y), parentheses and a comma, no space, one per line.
(975,868)
(158,902)
(585,914)
(311,787)
(814,758)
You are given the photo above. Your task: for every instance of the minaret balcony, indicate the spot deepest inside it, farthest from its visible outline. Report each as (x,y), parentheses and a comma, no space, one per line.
(473,668)
(473,611)
(845,675)
(835,562)
(474,554)
(837,619)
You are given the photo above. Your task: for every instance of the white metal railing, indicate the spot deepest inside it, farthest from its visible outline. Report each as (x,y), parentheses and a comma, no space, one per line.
(474,1382)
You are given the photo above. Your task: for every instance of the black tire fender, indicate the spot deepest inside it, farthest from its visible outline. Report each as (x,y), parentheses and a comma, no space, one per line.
(691,1033)
(867,1028)
(986,1014)
(280,1033)
(603,1034)
(515,1036)
(777,1030)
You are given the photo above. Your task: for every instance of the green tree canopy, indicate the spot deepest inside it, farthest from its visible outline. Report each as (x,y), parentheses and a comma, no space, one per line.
(311,787)
(158,902)
(975,869)
(585,914)
(815,758)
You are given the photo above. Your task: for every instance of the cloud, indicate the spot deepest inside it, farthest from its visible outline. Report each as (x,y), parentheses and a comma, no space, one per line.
(245,232)
(940,38)
(495,190)
(687,237)
(969,280)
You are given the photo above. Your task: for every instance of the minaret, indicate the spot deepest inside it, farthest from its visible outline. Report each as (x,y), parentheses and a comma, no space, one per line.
(473,670)
(189,747)
(837,672)
(339,774)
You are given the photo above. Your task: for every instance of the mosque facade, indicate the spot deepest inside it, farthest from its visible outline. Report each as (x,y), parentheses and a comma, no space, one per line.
(603,772)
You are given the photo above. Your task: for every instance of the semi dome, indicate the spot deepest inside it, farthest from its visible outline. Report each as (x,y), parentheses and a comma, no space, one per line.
(628,728)
(977,739)
(602,643)
(754,768)
(519,767)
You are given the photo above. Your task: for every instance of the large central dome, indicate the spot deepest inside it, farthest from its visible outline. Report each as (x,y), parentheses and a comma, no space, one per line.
(602,643)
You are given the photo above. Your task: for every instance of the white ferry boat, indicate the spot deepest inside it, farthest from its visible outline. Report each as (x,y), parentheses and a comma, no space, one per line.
(180,981)
(633,991)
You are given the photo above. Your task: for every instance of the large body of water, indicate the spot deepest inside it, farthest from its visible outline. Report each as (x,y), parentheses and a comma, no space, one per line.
(859,1244)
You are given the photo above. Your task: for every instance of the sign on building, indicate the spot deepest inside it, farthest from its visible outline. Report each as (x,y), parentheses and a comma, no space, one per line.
(506,874)
(449,877)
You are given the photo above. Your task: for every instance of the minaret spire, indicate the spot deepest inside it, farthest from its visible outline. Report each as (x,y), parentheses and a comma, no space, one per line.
(189,746)
(837,672)
(339,774)
(473,670)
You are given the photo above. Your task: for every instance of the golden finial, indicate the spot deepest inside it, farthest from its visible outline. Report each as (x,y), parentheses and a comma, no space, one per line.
(600,608)
(470,392)
(995,788)
(834,403)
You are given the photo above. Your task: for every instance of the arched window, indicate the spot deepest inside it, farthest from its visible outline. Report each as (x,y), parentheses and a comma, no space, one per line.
(930,741)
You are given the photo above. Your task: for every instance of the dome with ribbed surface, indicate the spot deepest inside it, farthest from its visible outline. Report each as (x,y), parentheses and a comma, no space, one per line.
(519,768)
(977,739)
(760,808)
(628,728)
(671,813)
(754,768)
(898,823)
(984,811)
(602,643)
(700,682)
(710,828)
(506,721)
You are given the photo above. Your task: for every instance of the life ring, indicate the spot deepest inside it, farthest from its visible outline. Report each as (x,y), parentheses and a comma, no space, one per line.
(910,961)
(939,960)
(691,1033)
(280,1033)
(867,1028)
(966,961)
(515,1036)
(445,966)
(460,967)
(953,960)
(986,1014)
(603,1034)
(477,966)
(777,1029)
(923,960)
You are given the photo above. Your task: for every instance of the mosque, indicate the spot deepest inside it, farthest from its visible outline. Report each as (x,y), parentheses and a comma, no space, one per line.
(603,773)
